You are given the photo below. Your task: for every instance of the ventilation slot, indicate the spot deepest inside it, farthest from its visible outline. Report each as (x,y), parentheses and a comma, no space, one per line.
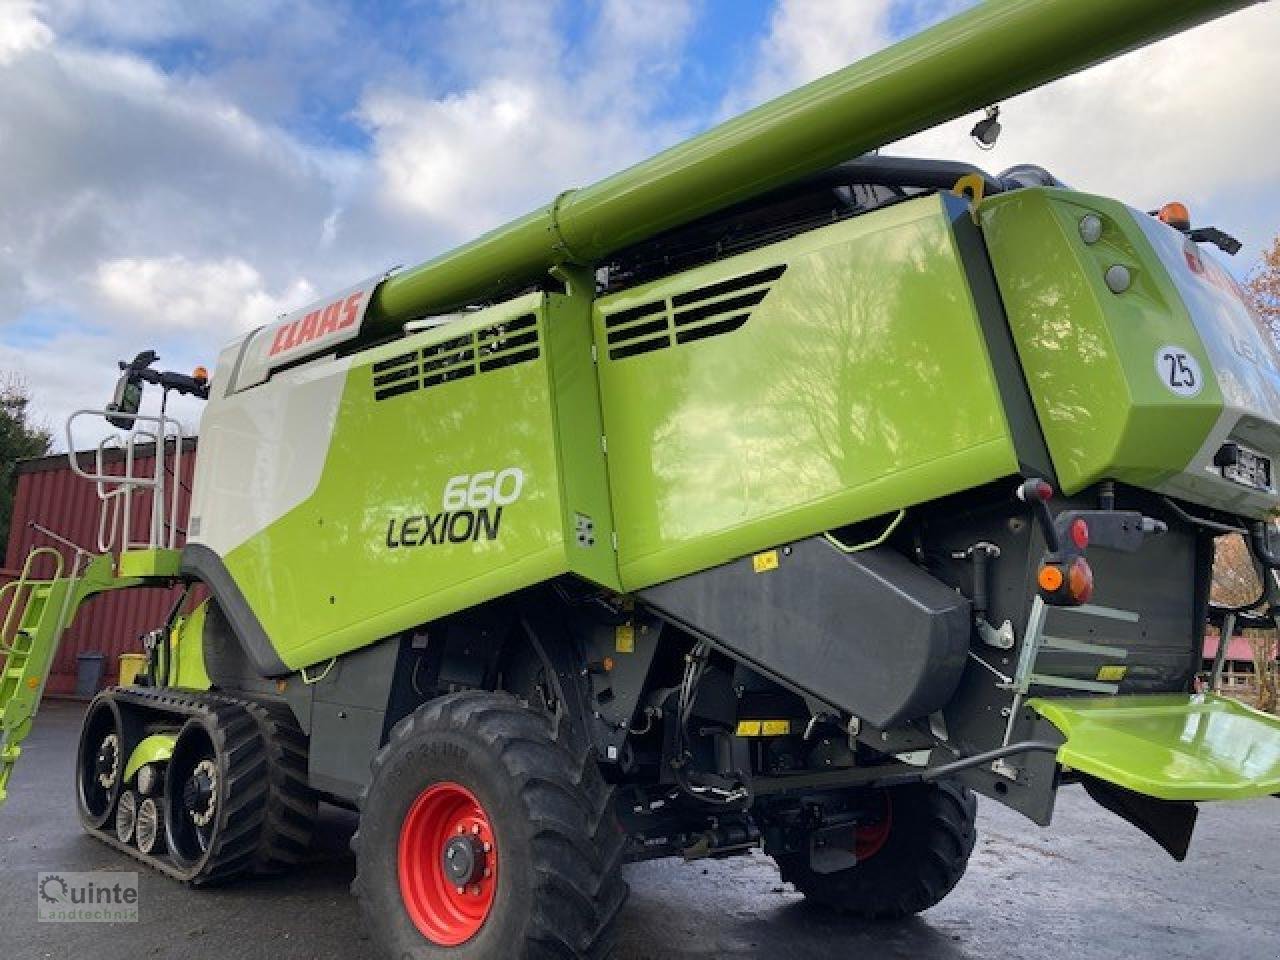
(729,286)
(502,345)
(507,345)
(709,311)
(395,376)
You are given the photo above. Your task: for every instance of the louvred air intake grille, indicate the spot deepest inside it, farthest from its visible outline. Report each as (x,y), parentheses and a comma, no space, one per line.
(693,315)
(502,345)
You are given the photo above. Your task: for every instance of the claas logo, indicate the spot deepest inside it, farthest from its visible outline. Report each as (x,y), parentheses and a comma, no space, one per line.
(318,323)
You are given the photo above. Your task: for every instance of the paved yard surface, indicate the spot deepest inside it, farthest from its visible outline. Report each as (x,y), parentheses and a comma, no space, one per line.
(1090,888)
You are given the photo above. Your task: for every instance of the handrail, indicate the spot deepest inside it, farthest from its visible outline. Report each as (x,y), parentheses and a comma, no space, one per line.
(16,586)
(116,490)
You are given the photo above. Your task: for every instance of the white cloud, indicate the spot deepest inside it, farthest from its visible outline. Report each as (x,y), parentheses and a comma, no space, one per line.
(808,39)
(636,47)
(175,292)
(471,161)
(521,132)
(114,171)
(21,30)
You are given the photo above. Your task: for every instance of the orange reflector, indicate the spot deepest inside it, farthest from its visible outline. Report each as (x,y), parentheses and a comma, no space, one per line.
(1050,579)
(1176,215)
(1080,581)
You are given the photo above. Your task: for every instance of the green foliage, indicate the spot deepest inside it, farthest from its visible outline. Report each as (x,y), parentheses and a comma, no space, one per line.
(19,438)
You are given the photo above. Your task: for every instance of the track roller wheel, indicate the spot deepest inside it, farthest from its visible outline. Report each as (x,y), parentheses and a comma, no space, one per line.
(910,855)
(127,816)
(215,794)
(150,827)
(482,835)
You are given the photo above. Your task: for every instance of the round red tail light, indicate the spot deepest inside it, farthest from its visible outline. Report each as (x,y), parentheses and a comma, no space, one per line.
(1080,580)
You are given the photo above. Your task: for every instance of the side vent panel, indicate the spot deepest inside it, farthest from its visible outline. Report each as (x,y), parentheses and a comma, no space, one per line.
(709,311)
(502,345)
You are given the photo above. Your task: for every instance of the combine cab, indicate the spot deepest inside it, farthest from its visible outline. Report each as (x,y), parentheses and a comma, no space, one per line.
(753,496)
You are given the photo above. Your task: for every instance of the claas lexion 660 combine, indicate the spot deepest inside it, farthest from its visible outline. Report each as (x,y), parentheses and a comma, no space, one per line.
(770,492)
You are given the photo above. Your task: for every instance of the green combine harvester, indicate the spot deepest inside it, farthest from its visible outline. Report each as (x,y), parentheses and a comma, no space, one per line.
(770,492)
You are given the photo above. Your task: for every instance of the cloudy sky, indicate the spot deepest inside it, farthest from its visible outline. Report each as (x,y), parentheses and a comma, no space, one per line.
(173,172)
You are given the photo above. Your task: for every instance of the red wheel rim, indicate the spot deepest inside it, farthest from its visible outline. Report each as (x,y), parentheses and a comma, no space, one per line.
(870,838)
(446,846)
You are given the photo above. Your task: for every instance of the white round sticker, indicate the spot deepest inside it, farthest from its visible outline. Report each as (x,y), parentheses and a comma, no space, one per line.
(1178,370)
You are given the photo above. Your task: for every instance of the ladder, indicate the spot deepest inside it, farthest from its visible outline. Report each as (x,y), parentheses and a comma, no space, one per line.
(36,613)
(28,639)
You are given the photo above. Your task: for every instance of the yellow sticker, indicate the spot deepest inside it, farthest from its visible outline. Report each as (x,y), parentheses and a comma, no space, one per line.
(764,728)
(763,562)
(624,638)
(1112,674)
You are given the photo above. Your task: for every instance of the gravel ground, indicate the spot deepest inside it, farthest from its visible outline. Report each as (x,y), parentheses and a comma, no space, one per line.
(1089,888)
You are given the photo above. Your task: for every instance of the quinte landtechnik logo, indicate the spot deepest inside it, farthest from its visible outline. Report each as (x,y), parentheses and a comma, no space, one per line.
(97,897)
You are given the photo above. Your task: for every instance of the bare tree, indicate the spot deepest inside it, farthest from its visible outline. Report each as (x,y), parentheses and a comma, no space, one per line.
(1234,580)
(1263,287)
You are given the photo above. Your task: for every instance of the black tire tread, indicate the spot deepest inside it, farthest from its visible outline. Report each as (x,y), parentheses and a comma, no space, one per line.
(238,739)
(290,820)
(948,832)
(577,846)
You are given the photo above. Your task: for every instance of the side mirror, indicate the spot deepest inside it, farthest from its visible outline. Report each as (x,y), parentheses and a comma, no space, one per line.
(126,401)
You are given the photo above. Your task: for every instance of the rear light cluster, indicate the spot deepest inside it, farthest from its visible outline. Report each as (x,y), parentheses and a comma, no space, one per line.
(1065,577)
(1066,583)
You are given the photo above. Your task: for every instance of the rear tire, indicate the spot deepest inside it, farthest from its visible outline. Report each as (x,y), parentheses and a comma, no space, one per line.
(479,772)
(916,862)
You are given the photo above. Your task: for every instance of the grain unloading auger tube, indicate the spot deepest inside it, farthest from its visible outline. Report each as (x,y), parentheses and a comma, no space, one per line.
(989,53)
(754,495)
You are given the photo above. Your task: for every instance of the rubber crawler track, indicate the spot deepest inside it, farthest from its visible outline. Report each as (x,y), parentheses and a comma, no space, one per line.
(268,819)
